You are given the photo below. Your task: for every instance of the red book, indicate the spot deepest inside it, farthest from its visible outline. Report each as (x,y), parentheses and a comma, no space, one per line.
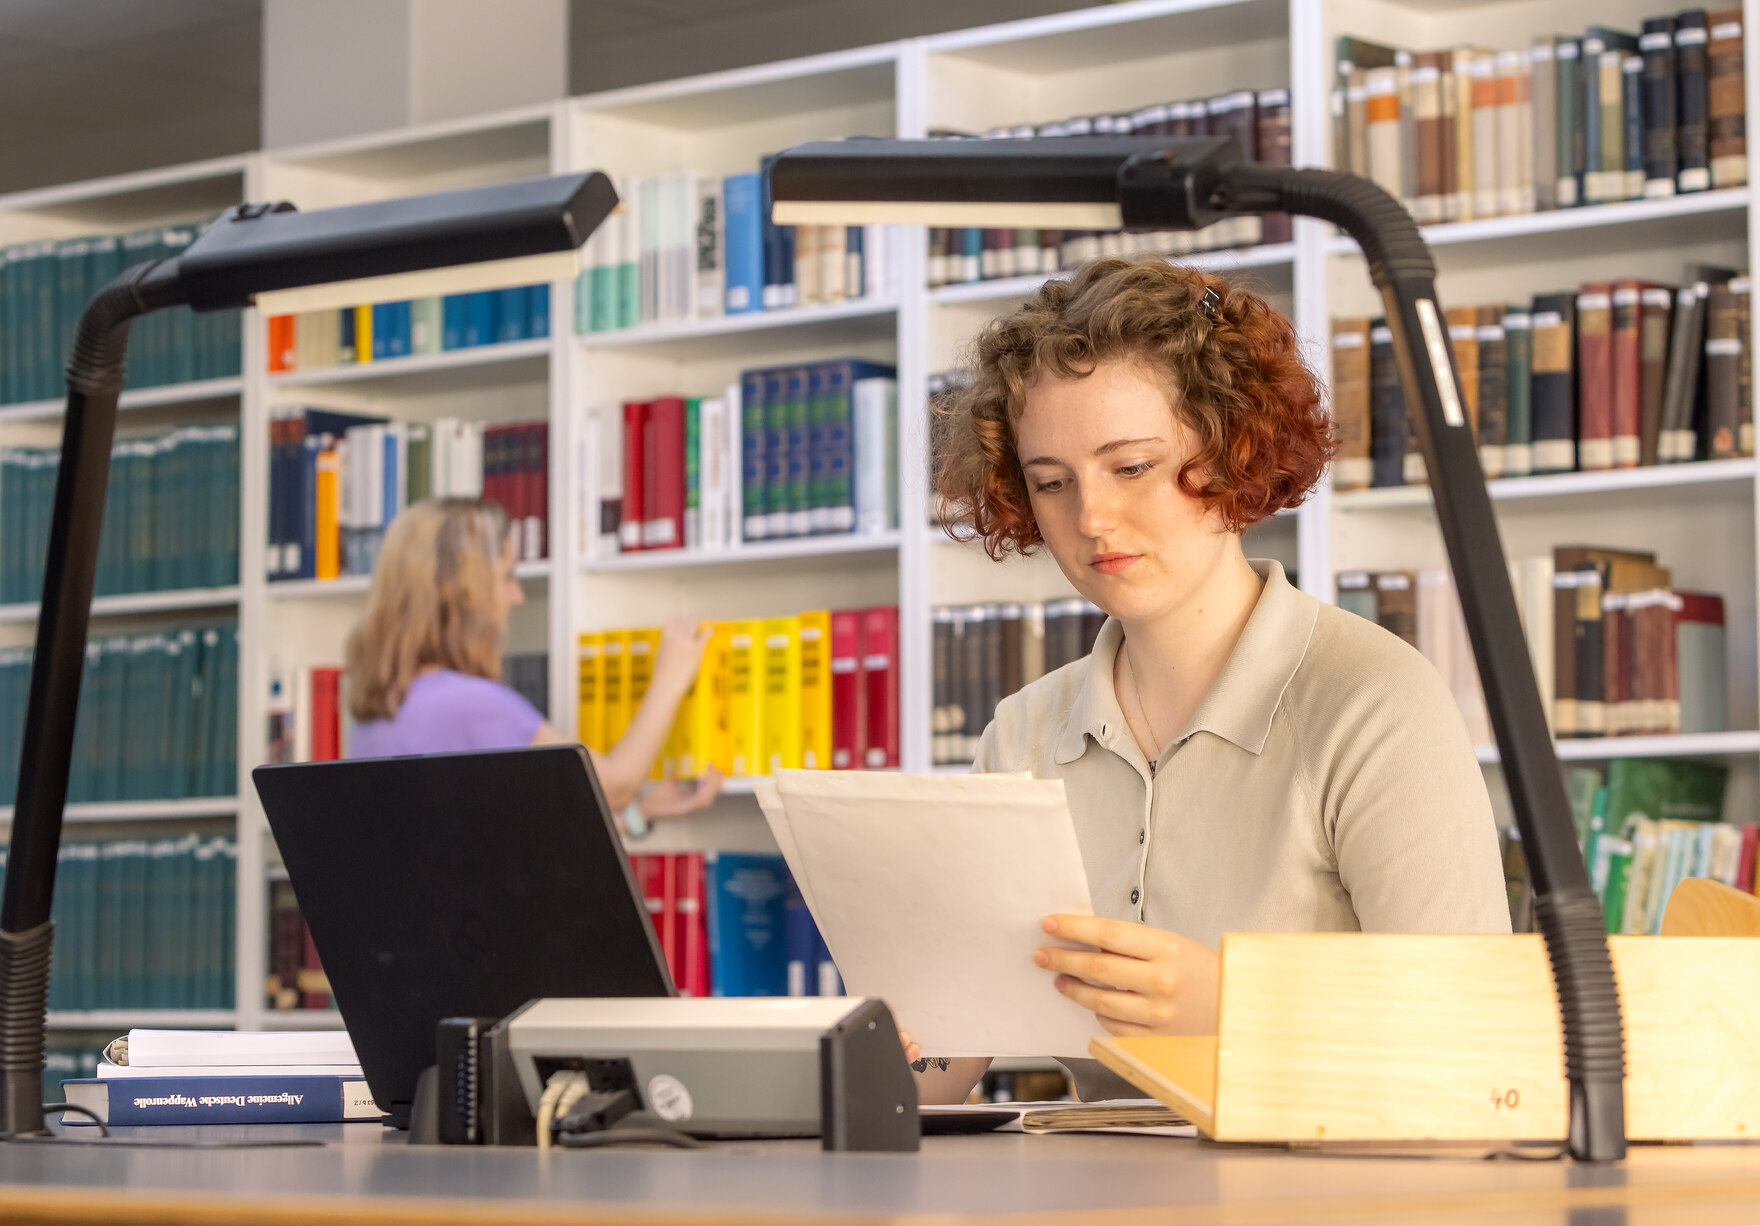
(1745,866)
(281,349)
(314,986)
(538,490)
(1595,376)
(650,873)
(1627,364)
(326,714)
(847,708)
(629,528)
(671,934)
(665,465)
(880,686)
(693,917)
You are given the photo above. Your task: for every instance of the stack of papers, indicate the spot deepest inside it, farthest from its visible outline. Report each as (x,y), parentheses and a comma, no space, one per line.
(930,892)
(1133,1115)
(230,1053)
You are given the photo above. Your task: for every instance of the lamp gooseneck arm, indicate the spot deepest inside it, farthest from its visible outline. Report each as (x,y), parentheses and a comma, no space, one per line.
(95,371)
(1566,909)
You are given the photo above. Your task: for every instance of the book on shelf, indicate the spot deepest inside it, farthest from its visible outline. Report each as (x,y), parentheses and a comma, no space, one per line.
(144,923)
(296,978)
(1472,132)
(157,719)
(1645,825)
(170,514)
(813,691)
(1618,374)
(45,286)
(337,480)
(982,653)
(306,711)
(1617,651)
(1258,120)
(757,936)
(785,452)
(690,245)
(385,331)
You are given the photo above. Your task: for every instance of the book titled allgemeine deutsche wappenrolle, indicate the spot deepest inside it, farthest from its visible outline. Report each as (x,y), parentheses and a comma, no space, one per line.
(225,1077)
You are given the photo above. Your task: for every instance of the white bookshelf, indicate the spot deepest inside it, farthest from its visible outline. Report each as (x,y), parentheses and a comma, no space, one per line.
(119,1020)
(176,600)
(1112,58)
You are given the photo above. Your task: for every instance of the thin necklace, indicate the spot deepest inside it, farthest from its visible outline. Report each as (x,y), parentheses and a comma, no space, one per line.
(1137,695)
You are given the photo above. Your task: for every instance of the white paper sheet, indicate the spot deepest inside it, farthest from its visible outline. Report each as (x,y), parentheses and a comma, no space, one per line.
(930,890)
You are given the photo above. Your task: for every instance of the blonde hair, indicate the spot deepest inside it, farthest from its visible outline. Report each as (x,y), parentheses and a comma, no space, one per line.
(432,603)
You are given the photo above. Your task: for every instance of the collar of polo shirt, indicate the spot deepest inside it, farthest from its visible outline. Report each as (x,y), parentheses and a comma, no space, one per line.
(1239,706)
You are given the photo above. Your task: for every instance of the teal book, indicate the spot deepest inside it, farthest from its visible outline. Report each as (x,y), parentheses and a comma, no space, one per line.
(146,341)
(693,472)
(107,978)
(111,728)
(754,523)
(180,933)
(229,924)
(157,929)
(133,957)
(83,944)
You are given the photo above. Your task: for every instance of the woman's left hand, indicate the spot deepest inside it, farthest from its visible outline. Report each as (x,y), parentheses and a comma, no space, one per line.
(667,799)
(1137,980)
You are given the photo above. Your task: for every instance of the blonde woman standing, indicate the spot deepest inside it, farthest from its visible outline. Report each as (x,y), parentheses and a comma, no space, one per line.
(424,664)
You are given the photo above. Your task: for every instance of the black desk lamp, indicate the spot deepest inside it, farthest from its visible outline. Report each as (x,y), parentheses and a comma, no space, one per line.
(281,261)
(1158,183)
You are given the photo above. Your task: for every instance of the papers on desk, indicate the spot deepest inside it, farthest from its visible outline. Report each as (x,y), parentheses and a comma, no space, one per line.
(930,890)
(1133,1115)
(232,1048)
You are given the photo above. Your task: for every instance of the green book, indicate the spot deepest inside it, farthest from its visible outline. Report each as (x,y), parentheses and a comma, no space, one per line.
(424,325)
(1616,872)
(693,472)
(1664,789)
(420,460)
(228,926)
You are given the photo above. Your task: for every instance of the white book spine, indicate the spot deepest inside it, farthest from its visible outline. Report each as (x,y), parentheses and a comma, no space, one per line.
(711,474)
(874,477)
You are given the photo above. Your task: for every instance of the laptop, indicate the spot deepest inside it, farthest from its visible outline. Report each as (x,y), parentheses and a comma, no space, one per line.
(457,885)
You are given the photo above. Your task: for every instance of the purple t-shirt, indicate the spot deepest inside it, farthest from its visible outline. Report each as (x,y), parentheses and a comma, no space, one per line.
(448,712)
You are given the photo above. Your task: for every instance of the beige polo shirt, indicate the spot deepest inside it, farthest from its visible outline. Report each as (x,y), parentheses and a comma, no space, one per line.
(1325,784)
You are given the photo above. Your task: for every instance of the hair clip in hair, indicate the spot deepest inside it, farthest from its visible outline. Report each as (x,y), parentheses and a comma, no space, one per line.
(1212,303)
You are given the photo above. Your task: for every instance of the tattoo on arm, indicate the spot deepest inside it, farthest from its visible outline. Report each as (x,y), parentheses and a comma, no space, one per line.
(927,1062)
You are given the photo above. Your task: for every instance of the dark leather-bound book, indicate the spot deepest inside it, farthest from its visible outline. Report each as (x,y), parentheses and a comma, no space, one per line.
(1723,371)
(1493,389)
(1274,150)
(1595,376)
(1679,437)
(1351,466)
(1518,341)
(1396,603)
(1656,45)
(1387,410)
(1655,311)
(1727,109)
(1463,337)
(1692,105)
(1552,394)
(1626,362)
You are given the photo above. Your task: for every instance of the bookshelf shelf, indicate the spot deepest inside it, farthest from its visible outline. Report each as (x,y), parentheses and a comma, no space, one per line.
(1726,745)
(141,602)
(1269,256)
(823,323)
(356,585)
(512,361)
(168,396)
(1715,476)
(751,553)
(144,1019)
(1608,221)
(145,810)
(301,1019)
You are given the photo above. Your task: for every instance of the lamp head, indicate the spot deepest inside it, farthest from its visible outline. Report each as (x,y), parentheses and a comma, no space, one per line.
(1066,183)
(390,250)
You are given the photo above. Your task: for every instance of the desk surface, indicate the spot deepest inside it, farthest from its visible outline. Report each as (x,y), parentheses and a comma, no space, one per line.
(363,1174)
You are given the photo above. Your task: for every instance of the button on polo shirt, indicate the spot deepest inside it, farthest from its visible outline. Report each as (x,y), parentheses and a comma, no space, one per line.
(1325,784)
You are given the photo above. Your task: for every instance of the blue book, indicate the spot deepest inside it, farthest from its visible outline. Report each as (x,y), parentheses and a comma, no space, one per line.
(512,314)
(381,331)
(538,310)
(747,896)
(452,314)
(480,324)
(801,940)
(400,329)
(744,244)
(776,453)
(255,1099)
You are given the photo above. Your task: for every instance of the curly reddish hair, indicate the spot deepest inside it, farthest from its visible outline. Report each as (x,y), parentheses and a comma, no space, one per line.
(1252,405)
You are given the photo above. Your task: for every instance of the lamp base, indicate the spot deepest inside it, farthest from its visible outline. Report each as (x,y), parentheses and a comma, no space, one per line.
(24,999)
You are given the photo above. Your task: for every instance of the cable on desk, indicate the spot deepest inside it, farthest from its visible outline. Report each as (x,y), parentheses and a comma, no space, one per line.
(563,1090)
(628,1136)
(52,1108)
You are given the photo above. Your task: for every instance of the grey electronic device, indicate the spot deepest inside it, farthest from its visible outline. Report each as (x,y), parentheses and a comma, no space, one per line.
(829,1067)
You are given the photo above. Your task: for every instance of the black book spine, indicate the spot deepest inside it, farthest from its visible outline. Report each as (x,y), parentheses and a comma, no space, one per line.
(1661,163)
(1632,104)
(1552,387)
(941,660)
(1387,410)
(1692,107)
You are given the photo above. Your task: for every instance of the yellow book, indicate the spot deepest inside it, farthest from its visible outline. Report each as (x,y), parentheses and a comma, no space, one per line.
(591,660)
(745,698)
(614,684)
(326,558)
(363,334)
(643,644)
(782,694)
(815,639)
(701,728)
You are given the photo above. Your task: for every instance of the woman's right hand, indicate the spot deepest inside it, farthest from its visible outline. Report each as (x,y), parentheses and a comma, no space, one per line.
(681,653)
(912,1053)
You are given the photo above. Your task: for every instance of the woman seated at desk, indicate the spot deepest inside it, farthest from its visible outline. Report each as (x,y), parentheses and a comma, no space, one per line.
(1238,756)
(424,665)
